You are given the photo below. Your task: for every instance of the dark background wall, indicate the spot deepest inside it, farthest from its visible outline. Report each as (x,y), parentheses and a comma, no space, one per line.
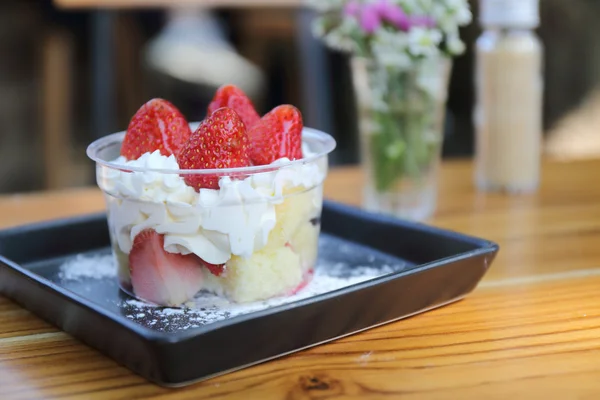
(268,38)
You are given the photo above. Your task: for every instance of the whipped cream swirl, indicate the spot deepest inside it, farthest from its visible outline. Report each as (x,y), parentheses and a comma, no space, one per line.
(214,224)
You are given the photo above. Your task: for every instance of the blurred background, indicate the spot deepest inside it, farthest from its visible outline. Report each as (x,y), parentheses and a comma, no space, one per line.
(71,72)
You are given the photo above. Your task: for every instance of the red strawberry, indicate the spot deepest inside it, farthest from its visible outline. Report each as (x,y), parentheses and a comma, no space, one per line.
(157,125)
(163,278)
(219,142)
(233,97)
(308,275)
(214,269)
(278,134)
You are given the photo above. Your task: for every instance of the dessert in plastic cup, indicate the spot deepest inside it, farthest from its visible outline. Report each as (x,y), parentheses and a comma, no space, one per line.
(230,205)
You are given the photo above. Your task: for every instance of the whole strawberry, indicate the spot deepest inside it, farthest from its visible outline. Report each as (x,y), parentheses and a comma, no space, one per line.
(157,125)
(278,134)
(220,141)
(233,97)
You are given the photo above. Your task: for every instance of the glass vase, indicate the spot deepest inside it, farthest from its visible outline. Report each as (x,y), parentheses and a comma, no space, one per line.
(401,114)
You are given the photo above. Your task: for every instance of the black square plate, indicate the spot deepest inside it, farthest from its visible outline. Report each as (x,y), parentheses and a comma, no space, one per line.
(431,268)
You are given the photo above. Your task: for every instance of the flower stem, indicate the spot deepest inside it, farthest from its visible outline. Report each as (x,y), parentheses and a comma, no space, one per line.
(402,146)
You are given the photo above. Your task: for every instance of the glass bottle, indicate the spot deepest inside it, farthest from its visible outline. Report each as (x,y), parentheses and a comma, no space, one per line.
(509,95)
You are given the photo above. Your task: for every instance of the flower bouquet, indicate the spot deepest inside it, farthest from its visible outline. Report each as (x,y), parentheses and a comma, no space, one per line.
(401,60)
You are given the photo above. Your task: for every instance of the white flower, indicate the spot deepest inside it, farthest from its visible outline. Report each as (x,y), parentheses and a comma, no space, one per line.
(444,20)
(391,38)
(390,48)
(391,41)
(393,59)
(461,12)
(454,45)
(341,37)
(338,41)
(431,75)
(450,14)
(456,11)
(415,7)
(389,44)
(325,5)
(423,41)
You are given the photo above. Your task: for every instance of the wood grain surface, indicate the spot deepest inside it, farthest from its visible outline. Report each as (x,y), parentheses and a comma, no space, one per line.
(530,330)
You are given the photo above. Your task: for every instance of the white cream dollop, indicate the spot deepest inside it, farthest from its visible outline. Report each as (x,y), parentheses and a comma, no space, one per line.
(214,224)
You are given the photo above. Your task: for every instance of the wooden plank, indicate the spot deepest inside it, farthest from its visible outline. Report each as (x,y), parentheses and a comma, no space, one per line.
(532,326)
(541,338)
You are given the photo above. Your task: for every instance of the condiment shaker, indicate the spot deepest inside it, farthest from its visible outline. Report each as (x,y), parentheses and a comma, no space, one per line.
(509,93)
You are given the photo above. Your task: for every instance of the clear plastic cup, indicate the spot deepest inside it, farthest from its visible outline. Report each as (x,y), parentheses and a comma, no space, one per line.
(262,223)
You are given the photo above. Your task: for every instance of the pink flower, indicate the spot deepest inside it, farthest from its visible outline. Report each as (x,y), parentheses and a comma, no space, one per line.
(422,20)
(393,14)
(369,18)
(352,9)
(372,15)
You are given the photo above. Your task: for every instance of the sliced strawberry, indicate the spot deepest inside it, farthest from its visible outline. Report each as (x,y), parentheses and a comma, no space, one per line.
(163,278)
(308,275)
(233,97)
(219,142)
(157,125)
(214,269)
(278,134)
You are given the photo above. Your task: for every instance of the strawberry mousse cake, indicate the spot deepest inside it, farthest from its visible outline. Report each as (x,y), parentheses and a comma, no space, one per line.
(230,205)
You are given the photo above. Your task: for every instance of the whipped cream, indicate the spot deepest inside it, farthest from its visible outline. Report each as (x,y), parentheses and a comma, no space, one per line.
(214,224)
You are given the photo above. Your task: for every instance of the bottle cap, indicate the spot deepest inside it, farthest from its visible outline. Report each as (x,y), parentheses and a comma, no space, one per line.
(509,13)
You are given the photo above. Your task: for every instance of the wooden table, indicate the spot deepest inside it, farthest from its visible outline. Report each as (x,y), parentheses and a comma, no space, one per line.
(530,330)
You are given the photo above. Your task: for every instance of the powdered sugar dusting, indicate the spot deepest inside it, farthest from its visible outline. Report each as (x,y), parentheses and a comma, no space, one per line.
(88,266)
(340,265)
(208,308)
